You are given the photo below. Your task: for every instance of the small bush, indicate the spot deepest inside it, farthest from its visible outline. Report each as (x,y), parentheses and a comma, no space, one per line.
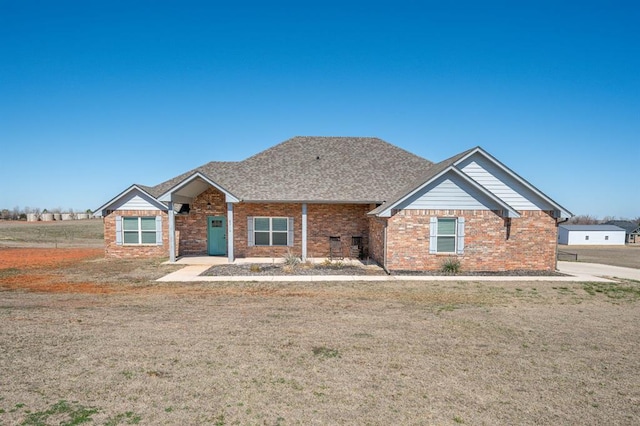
(291,259)
(255,268)
(450,266)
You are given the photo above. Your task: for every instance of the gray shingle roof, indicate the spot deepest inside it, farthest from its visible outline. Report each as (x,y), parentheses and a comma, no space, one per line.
(316,169)
(627,225)
(591,227)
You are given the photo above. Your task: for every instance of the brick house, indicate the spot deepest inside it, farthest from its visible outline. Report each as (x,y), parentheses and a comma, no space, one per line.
(343,197)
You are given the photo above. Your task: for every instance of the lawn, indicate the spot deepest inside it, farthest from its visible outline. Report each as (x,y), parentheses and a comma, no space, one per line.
(97,340)
(627,256)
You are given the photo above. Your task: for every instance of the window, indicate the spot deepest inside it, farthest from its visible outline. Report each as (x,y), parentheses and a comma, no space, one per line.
(446,241)
(139,230)
(270,231)
(606,238)
(446,235)
(586,237)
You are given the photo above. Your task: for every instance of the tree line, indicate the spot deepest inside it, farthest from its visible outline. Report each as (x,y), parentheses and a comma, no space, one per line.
(585,219)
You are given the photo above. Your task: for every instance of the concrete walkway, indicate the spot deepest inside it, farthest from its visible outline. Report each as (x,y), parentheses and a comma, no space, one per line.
(576,272)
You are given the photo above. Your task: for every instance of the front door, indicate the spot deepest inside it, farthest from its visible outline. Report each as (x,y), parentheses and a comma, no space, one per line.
(216,235)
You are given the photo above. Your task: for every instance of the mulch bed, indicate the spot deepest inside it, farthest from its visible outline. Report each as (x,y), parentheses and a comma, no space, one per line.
(269,269)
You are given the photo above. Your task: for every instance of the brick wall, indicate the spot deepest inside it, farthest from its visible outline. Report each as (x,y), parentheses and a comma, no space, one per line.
(135,251)
(193,226)
(376,239)
(335,220)
(242,211)
(531,244)
(323,221)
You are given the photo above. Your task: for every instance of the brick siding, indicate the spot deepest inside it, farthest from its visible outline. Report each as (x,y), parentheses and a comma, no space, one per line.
(137,250)
(193,226)
(242,211)
(531,244)
(335,220)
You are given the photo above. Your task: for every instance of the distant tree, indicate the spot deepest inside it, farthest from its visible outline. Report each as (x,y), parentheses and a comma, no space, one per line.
(583,219)
(27,210)
(607,219)
(16,213)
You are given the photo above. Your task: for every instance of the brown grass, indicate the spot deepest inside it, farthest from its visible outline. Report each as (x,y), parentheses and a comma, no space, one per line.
(101,336)
(627,256)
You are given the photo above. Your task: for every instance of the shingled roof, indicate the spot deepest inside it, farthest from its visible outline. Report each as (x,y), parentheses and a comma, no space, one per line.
(315,169)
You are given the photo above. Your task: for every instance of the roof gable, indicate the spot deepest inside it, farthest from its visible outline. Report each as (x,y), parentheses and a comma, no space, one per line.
(505,183)
(449,188)
(136,197)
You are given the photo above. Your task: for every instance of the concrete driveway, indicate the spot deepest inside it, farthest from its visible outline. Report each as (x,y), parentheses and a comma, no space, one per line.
(598,270)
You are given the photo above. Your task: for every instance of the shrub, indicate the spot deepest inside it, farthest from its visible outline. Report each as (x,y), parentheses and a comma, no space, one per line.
(291,260)
(450,266)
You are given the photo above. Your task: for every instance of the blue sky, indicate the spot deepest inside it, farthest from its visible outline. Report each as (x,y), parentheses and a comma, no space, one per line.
(97,95)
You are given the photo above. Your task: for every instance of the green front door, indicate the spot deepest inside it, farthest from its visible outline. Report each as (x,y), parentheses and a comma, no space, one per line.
(216,235)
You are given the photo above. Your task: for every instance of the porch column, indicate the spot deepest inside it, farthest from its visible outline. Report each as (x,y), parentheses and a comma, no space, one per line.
(172,234)
(230,232)
(304,232)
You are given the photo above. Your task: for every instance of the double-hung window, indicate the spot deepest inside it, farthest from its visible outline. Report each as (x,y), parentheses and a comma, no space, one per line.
(139,230)
(135,230)
(446,235)
(270,231)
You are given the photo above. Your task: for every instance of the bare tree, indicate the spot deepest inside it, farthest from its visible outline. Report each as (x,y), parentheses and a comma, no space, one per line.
(583,219)
(16,213)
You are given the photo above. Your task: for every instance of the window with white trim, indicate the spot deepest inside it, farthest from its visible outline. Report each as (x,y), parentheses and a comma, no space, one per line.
(446,235)
(271,231)
(139,230)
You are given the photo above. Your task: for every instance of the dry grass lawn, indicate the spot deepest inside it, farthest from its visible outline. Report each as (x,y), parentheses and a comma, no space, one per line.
(99,341)
(627,256)
(87,340)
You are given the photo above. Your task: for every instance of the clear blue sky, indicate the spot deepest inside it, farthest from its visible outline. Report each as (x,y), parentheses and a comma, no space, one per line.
(97,95)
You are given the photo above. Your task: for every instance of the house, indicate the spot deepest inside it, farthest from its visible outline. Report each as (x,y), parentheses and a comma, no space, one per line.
(590,235)
(326,196)
(632,230)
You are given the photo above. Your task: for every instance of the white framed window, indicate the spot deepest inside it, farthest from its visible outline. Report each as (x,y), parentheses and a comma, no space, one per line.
(138,230)
(446,235)
(270,231)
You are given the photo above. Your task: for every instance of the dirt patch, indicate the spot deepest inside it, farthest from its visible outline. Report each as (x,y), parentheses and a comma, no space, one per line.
(44,257)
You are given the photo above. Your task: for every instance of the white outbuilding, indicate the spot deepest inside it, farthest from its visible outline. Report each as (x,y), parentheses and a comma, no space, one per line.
(591,235)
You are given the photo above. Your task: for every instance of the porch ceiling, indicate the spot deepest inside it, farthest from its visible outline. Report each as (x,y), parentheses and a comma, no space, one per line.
(189,191)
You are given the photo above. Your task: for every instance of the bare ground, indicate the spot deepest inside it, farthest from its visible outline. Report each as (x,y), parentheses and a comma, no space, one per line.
(97,338)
